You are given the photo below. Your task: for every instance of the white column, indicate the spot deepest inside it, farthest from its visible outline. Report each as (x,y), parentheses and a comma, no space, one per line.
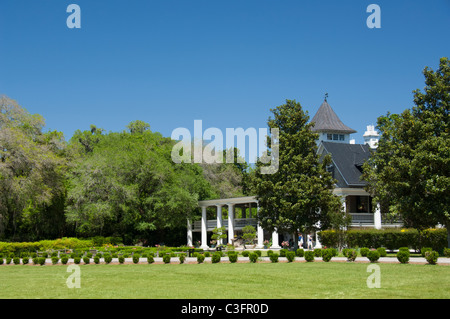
(204,236)
(275,243)
(260,231)
(219,220)
(230,223)
(189,232)
(377,217)
(344,206)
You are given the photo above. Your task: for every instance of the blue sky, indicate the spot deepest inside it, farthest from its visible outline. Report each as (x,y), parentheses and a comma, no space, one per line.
(224,62)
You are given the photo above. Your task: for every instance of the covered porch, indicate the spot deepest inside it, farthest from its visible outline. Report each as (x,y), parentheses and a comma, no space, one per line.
(233,214)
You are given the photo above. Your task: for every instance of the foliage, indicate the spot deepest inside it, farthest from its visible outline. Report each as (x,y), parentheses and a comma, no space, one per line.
(403,256)
(373,255)
(127,183)
(273,257)
(364,251)
(351,254)
(253,257)
(432,257)
(300,252)
(309,256)
(290,256)
(166,259)
(249,234)
(382,251)
(410,172)
(200,258)
(389,238)
(232,256)
(298,195)
(215,258)
(219,233)
(55,260)
(136,258)
(32,168)
(327,254)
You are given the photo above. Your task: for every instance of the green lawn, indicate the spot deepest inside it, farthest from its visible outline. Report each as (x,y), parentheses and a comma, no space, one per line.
(224,280)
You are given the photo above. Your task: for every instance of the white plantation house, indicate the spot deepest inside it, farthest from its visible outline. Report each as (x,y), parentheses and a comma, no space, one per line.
(346,168)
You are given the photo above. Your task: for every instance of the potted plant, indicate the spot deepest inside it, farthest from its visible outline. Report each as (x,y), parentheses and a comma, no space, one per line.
(249,234)
(219,233)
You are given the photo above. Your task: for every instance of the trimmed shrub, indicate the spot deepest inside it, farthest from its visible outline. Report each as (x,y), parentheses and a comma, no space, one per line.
(373,255)
(327,254)
(283,252)
(290,255)
(86,260)
(64,260)
(215,258)
(77,260)
(269,252)
(41,261)
(258,252)
(300,252)
(55,260)
(107,258)
(136,258)
(273,257)
(16,260)
(35,260)
(245,253)
(233,257)
(200,258)
(424,250)
(1,261)
(447,252)
(121,259)
(166,259)
(382,251)
(309,256)
(8,260)
(364,251)
(150,259)
(351,254)
(253,257)
(432,257)
(25,260)
(182,258)
(96,259)
(318,252)
(403,256)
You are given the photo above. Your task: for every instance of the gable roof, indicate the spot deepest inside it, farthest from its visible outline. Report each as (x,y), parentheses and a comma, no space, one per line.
(326,120)
(348,159)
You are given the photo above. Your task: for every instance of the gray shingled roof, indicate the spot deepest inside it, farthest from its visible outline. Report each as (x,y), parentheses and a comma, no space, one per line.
(327,121)
(348,159)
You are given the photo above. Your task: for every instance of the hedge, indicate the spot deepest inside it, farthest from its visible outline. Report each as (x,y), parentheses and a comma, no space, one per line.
(389,238)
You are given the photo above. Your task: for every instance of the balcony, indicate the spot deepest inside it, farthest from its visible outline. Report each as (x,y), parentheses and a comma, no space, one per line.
(239,223)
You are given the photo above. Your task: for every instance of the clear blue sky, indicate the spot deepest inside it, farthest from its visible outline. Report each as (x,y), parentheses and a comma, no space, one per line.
(224,62)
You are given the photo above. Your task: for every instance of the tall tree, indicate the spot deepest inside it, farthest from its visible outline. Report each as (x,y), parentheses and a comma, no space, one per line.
(298,197)
(32,166)
(128,186)
(410,170)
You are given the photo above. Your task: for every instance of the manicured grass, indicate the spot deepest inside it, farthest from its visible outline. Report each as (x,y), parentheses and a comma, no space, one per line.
(226,281)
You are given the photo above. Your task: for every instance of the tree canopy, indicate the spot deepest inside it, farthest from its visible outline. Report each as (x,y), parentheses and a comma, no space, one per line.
(298,197)
(410,170)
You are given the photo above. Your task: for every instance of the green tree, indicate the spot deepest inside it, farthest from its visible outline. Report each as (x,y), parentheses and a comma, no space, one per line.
(299,195)
(129,186)
(410,171)
(32,167)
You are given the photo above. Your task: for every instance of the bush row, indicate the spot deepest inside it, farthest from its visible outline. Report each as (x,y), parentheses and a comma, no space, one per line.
(327,254)
(391,239)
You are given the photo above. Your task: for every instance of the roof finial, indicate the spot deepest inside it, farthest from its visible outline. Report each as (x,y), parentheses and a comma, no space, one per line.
(326,96)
